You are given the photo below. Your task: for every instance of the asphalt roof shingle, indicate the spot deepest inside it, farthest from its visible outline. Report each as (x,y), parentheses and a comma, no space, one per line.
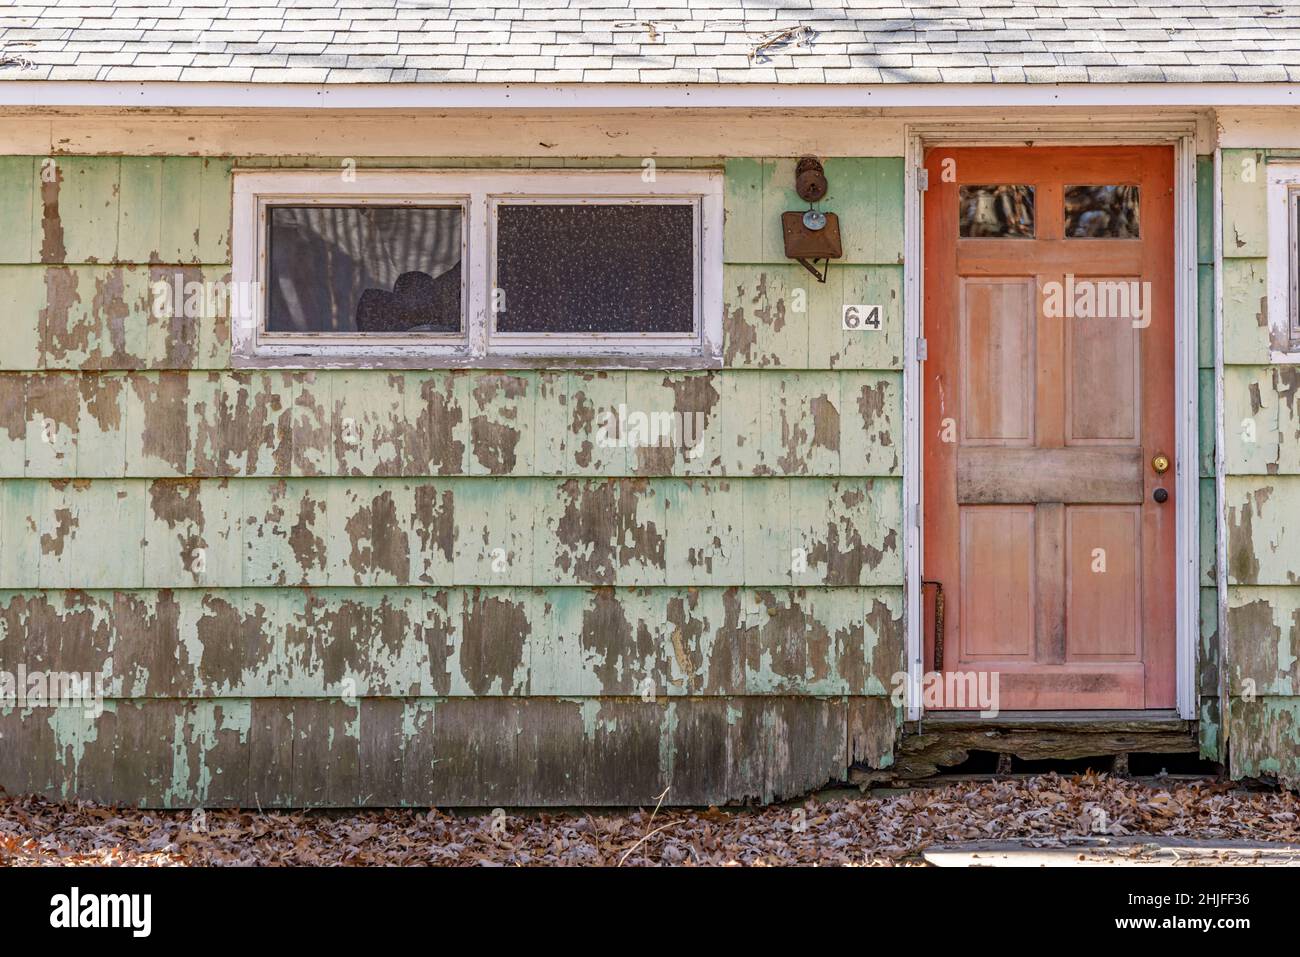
(652,41)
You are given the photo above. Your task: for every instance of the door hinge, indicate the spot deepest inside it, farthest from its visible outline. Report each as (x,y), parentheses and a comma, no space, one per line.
(922,179)
(922,349)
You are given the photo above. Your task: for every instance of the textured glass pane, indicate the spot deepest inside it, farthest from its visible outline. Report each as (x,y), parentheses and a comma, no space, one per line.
(595,267)
(997,212)
(1101,212)
(349,269)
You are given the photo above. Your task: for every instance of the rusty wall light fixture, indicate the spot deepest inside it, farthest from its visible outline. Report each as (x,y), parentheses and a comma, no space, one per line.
(812,234)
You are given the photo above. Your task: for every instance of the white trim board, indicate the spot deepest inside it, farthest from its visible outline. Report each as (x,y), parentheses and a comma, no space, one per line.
(1220,475)
(1186,425)
(396,96)
(548,136)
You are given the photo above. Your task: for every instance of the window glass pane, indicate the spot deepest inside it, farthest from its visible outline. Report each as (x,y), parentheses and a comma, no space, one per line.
(1101,212)
(349,269)
(997,212)
(596,267)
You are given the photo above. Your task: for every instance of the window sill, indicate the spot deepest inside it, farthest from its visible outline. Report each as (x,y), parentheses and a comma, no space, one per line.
(386,358)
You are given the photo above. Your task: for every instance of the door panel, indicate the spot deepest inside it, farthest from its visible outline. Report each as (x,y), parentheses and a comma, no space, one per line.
(997,317)
(1103,396)
(986,476)
(1104,580)
(997,561)
(1048,392)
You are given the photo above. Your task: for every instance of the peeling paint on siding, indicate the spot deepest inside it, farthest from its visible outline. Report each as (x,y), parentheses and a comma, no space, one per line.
(337,587)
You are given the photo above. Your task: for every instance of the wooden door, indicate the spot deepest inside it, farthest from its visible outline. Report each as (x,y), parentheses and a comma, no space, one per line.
(1049,396)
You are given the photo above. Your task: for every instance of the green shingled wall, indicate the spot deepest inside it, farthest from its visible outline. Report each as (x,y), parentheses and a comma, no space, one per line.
(459,598)
(1261,442)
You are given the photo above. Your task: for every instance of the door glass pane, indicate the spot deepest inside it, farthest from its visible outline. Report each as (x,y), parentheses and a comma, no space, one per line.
(350,269)
(1101,212)
(997,212)
(596,267)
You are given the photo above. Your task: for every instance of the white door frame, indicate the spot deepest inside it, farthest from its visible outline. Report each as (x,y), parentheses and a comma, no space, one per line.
(1181,134)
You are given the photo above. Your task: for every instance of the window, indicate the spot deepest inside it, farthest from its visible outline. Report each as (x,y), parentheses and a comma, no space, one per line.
(1283,201)
(364,269)
(597,268)
(1101,212)
(1293,262)
(507,268)
(996,212)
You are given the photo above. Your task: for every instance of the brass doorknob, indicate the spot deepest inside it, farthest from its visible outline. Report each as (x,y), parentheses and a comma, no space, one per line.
(1160,464)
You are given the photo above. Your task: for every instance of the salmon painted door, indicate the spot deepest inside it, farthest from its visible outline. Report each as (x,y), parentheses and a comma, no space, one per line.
(1049,490)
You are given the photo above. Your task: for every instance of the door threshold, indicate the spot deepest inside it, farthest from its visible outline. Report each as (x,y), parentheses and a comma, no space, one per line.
(1156,720)
(944,741)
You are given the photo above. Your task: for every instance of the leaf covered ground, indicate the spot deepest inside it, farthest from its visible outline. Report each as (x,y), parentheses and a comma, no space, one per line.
(889,829)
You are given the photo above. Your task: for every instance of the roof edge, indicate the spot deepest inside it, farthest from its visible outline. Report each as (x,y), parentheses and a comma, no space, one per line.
(408,96)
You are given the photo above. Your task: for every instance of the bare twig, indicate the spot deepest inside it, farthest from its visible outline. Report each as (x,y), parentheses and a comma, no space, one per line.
(799,35)
(661,827)
(658,805)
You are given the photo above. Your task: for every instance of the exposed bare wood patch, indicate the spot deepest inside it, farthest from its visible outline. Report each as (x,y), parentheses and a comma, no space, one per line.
(53,249)
(242,425)
(435,447)
(63,334)
(1264,739)
(739,334)
(495,424)
(493,634)
(161,431)
(602,528)
(1242,562)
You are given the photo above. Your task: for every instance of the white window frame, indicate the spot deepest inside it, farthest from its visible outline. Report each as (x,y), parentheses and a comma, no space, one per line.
(1283,248)
(480,194)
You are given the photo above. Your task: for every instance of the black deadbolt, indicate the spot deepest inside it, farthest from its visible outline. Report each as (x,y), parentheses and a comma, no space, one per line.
(1160,495)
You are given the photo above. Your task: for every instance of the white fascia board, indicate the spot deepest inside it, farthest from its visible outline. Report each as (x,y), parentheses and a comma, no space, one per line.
(407,96)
